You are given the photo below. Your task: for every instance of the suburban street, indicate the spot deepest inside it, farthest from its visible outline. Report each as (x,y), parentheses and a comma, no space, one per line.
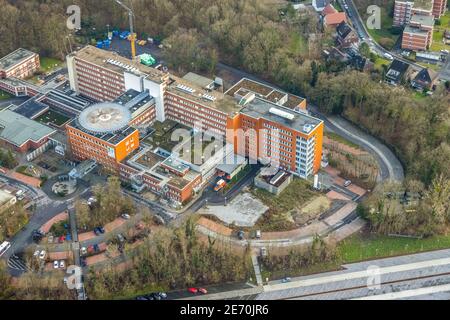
(361,30)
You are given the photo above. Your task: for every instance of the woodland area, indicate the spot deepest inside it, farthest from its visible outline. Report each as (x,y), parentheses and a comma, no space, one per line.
(110,204)
(32,286)
(171,259)
(12,219)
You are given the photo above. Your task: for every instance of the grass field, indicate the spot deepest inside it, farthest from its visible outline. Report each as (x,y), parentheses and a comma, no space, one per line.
(365,246)
(438,34)
(53,117)
(4,95)
(338,138)
(48,64)
(386,30)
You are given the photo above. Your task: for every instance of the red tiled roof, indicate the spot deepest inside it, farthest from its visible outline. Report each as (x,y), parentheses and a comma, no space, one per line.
(334,19)
(328,9)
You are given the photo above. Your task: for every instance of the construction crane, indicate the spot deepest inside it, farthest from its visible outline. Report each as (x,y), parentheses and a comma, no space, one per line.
(132,36)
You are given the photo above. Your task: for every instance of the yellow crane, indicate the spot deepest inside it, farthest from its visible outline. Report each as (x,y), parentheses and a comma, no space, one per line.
(132,36)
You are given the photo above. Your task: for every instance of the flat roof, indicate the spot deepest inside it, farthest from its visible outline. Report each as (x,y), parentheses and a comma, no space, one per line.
(423,4)
(133,100)
(260,108)
(31,108)
(5,197)
(105,59)
(18,129)
(415,30)
(423,20)
(208,98)
(198,79)
(244,86)
(230,166)
(15,58)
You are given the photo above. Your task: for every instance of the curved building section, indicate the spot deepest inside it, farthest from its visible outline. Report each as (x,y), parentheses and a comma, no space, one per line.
(104,117)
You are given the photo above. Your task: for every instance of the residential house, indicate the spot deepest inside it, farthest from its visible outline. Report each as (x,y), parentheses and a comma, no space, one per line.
(425,79)
(345,35)
(398,72)
(319,5)
(332,20)
(329,9)
(418,33)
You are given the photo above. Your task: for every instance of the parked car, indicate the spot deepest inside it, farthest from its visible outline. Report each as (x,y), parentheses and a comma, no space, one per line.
(287,279)
(156,296)
(83,251)
(347,183)
(121,238)
(96,248)
(125,216)
(55,264)
(240,235)
(163,295)
(42,255)
(263,252)
(68,237)
(50,239)
(97,231)
(202,290)
(62,264)
(36,254)
(61,239)
(258,234)
(83,262)
(193,290)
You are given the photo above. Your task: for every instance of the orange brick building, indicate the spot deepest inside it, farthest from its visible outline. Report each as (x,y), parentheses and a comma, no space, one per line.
(101,133)
(418,34)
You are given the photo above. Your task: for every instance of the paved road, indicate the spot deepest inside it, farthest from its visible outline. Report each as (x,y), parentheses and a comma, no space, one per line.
(361,30)
(423,275)
(390,166)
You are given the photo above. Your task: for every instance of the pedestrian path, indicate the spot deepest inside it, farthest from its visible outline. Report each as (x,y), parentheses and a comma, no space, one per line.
(257,270)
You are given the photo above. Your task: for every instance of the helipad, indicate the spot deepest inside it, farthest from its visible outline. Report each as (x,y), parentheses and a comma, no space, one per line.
(104,117)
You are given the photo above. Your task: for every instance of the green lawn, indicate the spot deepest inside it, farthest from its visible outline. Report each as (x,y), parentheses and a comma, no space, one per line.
(53,117)
(360,247)
(365,247)
(419,95)
(48,64)
(438,34)
(299,191)
(298,45)
(337,6)
(4,95)
(338,138)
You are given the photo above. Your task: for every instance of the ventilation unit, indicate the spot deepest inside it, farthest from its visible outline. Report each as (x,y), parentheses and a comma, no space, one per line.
(282,113)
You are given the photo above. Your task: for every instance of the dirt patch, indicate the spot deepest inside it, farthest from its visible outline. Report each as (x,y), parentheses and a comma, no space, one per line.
(311,210)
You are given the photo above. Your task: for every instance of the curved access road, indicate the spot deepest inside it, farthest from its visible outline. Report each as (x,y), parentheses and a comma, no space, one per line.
(390,166)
